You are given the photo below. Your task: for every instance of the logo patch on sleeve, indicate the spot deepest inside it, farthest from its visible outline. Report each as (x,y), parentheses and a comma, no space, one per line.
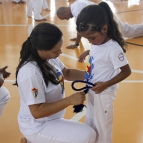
(121,57)
(34,92)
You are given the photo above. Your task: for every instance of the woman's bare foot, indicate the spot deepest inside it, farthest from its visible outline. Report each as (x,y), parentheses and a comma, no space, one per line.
(23,140)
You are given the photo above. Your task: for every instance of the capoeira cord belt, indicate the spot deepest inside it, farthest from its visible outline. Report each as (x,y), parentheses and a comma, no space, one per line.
(79,108)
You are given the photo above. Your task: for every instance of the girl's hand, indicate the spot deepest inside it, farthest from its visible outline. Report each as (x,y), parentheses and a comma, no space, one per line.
(4,72)
(77,98)
(100,86)
(83,56)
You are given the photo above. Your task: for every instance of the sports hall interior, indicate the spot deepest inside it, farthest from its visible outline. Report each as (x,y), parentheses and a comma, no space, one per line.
(15,27)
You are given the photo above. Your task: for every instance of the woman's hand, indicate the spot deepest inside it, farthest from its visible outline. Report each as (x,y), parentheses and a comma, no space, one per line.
(77,98)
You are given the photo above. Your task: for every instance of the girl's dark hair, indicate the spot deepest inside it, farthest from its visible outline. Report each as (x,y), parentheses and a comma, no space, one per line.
(43,37)
(93,17)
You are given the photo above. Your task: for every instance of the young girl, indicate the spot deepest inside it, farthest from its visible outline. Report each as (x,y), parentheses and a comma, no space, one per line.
(107,66)
(40,79)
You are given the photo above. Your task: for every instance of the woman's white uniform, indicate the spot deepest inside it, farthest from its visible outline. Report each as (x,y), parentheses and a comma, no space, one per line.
(50,129)
(104,64)
(4,98)
(128,31)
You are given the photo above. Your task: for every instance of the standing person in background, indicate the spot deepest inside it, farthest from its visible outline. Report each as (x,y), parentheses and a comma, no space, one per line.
(128,31)
(45,5)
(4,93)
(106,68)
(36,7)
(40,79)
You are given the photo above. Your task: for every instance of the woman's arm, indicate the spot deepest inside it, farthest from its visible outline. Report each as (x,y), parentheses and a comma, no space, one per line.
(47,109)
(125,72)
(73,74)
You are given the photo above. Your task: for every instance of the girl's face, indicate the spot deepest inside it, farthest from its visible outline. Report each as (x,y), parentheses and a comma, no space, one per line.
(53,53)
(96,38)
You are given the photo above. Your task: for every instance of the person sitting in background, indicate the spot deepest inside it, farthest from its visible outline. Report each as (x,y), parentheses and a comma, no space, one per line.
(4,93)
(128,31)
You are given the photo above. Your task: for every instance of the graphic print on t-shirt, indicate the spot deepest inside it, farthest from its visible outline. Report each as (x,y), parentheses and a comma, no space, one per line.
(88,73)
(61,79)
(34,92)
(121,57)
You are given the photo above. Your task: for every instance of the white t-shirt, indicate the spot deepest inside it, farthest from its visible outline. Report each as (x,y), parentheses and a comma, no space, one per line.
(33,90)
(78,5)
(105,62)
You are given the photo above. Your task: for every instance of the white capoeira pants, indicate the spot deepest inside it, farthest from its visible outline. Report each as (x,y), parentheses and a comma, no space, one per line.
(45,4)
(36,7)
(63,131)
(130,31)
(4,98)
(99,115)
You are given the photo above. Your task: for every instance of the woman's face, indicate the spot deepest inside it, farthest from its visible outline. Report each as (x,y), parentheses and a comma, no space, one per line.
(53,53)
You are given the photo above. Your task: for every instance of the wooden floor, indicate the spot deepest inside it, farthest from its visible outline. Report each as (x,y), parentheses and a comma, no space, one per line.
(15,27)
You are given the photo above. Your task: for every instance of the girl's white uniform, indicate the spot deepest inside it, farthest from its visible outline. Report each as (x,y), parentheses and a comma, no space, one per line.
(128,31)
(4,98)
(104,64)
(50,129)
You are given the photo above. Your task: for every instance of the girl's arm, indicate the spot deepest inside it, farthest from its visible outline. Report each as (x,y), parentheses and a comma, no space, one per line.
(83,56)
(73,74)
(100,86)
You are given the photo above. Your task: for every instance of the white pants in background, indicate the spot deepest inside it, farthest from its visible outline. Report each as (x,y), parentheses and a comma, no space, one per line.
(45,4)
(36,7)
(99,115)
(130,31)
(63,131)
(4,98)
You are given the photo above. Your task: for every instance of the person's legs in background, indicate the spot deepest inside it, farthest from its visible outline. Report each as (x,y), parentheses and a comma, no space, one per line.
(45,5)
(4,98)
